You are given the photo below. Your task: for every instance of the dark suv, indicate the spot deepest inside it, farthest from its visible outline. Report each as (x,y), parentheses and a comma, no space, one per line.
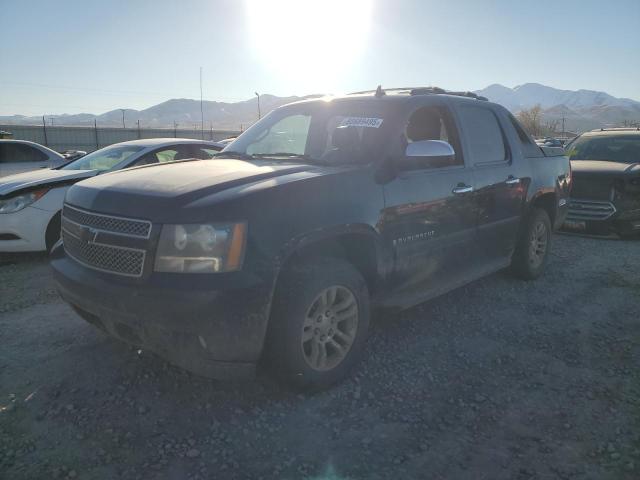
(606,189)
(278,249)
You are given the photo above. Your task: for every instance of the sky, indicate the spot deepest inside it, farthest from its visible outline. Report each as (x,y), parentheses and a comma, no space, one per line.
(73,56)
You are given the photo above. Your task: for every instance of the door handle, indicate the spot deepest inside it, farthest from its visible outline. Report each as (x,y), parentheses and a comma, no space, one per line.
(511,180)
(462,189)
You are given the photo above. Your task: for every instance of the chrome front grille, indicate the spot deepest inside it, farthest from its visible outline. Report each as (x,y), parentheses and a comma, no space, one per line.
(108,223)
(86,238)
(589,210)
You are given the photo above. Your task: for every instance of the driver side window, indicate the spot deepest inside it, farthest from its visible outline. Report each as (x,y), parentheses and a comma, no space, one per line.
(433,123)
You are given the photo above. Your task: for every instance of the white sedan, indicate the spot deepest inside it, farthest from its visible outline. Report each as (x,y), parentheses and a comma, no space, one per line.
(17,156)
(30,203)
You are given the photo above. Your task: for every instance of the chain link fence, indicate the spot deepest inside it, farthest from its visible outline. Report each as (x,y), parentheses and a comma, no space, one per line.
(62,138)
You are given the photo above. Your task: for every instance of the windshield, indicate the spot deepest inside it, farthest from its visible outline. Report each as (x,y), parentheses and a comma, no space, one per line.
(623,149)
(320,132)
(104,159)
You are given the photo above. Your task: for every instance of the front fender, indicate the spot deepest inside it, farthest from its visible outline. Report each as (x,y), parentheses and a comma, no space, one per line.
(334,234)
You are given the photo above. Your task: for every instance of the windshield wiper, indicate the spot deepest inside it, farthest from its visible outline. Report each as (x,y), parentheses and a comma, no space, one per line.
(232,154)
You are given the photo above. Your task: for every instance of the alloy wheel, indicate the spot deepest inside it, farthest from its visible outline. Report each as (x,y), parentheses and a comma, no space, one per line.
(538,244)
(330,328)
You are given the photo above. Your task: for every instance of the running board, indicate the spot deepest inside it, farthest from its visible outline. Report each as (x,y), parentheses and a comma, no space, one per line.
(407,299)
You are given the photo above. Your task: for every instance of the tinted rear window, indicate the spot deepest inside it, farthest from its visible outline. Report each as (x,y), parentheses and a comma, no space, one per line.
(20,153)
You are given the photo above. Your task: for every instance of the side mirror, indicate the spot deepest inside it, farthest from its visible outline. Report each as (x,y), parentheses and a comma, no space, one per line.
(427,154)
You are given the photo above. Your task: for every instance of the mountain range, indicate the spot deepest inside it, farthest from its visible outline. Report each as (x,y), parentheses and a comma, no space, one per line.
(581,110)
(182,112)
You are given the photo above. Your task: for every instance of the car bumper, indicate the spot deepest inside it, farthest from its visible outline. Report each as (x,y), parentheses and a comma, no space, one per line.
(626,226)
(29,225)
(603,217)
(215,330)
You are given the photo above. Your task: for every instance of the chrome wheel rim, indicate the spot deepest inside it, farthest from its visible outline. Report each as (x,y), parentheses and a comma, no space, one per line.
(538,244)
(330,328)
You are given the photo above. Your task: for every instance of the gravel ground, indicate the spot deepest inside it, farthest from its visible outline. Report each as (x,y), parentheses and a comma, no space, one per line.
(502,379)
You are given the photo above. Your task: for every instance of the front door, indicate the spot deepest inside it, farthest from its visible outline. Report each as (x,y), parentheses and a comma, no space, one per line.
(429,216)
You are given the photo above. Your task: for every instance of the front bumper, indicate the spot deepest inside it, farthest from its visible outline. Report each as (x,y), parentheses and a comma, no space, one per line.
(212,326)
(29,225)
(605,216)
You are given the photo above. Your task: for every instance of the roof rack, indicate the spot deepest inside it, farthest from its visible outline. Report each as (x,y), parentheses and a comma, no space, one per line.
(616,129)
(379,92)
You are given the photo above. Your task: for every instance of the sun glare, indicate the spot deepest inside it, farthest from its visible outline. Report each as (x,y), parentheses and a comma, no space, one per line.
(314,41)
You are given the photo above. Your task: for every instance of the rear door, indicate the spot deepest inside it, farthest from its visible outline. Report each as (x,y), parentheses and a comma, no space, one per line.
(20,157)
(429,216)
(500,188)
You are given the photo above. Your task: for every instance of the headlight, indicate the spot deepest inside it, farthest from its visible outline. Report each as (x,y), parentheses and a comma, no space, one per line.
(17,203)
(204,248)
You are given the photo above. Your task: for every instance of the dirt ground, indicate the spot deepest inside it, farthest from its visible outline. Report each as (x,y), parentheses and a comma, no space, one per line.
(502,379)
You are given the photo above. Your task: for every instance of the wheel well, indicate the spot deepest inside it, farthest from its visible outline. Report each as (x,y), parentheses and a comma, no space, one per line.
(358,249)
(52,234)
(547,202)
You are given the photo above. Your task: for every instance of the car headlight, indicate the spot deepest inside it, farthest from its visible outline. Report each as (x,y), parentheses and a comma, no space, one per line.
(201,248)
(17,203)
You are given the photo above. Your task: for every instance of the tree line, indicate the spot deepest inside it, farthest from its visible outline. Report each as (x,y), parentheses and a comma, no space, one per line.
(533,122)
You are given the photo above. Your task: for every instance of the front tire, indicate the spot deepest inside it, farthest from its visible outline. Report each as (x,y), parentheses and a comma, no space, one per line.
(629,234)
(319,323)
(52,235)
(532,250)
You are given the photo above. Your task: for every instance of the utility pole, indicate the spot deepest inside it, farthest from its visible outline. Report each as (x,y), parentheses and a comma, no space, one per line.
(44,127)
(563,130)
(122,110)
(175,129)
(138,128)
(258,95)
(201,109)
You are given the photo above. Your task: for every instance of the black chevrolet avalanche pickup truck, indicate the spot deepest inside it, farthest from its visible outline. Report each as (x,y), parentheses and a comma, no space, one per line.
(605,197)
(277,251)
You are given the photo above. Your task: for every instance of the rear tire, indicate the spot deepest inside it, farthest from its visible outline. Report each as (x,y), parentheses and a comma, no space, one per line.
(319,323)
(532,250)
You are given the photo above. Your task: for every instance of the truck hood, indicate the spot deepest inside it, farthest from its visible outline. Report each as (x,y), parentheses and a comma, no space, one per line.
(41,178)
(604,168)
(151,191)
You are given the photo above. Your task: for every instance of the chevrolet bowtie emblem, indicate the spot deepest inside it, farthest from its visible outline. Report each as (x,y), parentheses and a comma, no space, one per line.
(88,235)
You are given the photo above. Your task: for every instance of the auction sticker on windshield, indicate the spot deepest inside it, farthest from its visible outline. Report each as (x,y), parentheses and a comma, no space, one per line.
(361,122)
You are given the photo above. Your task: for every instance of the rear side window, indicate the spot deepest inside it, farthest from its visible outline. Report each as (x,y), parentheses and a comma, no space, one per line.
(528,146)
(484,136)
(522,135)
(19,153)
